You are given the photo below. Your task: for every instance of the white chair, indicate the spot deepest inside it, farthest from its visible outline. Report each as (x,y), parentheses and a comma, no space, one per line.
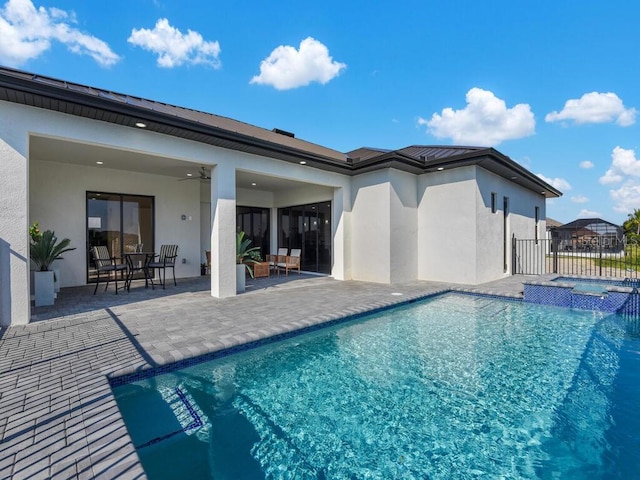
(291,262)
(275,260)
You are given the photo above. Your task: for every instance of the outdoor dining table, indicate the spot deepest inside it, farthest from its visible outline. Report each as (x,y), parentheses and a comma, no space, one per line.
(138,262)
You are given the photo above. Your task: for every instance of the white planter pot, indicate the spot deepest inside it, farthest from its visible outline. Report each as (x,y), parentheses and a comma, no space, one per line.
(43,288)
(241,272)
(56,280)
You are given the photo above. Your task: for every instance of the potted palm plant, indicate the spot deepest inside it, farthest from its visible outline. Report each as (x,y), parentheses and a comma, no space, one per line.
(245,258)
(44,250)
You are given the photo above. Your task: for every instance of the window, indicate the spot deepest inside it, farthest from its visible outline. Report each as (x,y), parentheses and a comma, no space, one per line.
(494,202)
(537,215)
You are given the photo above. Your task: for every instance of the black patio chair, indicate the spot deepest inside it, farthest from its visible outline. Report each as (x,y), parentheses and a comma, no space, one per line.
(165,259)
(106,264)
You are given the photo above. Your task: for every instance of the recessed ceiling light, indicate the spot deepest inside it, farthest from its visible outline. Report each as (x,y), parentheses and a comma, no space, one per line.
(189,174)
(253,184)
(141,125)
(543,192)
(99,163)
(513,178)
(302,162)
(440,169)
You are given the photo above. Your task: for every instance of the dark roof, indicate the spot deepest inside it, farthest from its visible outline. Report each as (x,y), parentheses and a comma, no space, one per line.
(552,222)
(594,224)
(429,158)
(97,104)
(74,99)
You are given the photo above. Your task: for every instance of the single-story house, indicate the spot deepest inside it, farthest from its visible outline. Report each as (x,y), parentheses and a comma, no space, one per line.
(589,234)
(100,167)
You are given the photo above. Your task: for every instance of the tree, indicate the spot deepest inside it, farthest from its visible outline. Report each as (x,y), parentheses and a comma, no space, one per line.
(631,226)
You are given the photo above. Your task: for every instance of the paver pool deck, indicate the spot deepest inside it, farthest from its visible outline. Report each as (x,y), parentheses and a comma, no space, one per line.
(58,417)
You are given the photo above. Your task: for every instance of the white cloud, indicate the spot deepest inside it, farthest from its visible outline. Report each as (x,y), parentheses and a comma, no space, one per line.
(175,48)
(595,107)
(286,68)
(586,164)
(27,33)
(579,199)
(625,171)
(584,213)
(485,120)
(626,198)
(559,183)
(623,164)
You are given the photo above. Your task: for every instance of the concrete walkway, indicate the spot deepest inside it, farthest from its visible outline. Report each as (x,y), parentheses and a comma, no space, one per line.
(58,417)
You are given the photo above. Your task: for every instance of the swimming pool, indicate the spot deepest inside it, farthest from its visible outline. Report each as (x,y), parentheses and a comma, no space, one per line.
(453,387)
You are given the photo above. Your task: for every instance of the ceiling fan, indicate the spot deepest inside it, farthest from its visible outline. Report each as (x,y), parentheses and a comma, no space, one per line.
(203,175)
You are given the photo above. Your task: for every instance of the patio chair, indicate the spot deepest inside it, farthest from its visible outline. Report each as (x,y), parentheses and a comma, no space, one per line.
(106,264)
(291,262)
(165,259)
(275,260)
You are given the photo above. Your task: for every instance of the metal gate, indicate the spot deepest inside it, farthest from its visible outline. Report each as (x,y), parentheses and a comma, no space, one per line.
(537,257)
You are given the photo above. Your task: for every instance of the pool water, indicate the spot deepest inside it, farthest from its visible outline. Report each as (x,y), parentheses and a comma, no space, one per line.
(453,387)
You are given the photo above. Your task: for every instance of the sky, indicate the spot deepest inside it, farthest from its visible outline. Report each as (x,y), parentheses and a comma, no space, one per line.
(552,84)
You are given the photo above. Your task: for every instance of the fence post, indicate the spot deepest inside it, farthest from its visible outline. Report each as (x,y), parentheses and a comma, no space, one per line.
(513,254)
(554,249)
(600,274)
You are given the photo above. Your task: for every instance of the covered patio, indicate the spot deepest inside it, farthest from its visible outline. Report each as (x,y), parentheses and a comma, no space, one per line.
(90,193)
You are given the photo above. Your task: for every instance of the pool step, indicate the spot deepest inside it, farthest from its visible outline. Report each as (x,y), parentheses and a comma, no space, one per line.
(174,412)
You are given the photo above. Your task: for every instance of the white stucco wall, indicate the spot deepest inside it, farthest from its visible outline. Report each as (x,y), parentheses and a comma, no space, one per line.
(446,226)
(14,221)
(521,222)
(370,226)
(463,238)
(403,221)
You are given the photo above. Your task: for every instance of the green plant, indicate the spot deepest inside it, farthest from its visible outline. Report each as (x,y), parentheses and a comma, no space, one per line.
(45,248)
(245,254)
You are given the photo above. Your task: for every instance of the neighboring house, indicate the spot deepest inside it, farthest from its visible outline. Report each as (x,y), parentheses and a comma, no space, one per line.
(589,234)
(105,168)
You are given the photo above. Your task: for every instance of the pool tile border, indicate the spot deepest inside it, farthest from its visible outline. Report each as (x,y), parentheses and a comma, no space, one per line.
(150,372)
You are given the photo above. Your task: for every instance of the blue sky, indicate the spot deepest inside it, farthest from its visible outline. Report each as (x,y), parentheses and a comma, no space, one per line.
(552,84)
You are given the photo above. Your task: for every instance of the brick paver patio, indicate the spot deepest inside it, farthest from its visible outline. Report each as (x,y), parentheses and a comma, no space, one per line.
(58,418)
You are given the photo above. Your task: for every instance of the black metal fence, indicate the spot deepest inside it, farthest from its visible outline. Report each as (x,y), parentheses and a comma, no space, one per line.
(537,257)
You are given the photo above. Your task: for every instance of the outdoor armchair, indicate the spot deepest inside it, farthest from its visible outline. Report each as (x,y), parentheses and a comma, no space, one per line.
(105,265)
(291,262)
(164,260)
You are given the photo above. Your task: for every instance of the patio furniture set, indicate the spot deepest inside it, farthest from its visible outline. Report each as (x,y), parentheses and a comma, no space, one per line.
(109,267)
(274,263)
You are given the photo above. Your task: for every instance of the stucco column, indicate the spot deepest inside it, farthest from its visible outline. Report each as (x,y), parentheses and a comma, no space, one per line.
(223,231)
(15,300)
(340,218)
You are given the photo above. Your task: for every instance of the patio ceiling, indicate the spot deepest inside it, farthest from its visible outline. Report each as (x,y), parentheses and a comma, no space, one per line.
(76,153)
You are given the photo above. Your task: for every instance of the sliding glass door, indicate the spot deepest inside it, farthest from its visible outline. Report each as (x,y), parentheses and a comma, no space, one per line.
(307,227)
(254,222)
(122,223)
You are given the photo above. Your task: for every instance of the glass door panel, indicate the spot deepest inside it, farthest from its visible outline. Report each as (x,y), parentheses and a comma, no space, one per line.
(324,237)
(122,223)
(254,222)
(308,227)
